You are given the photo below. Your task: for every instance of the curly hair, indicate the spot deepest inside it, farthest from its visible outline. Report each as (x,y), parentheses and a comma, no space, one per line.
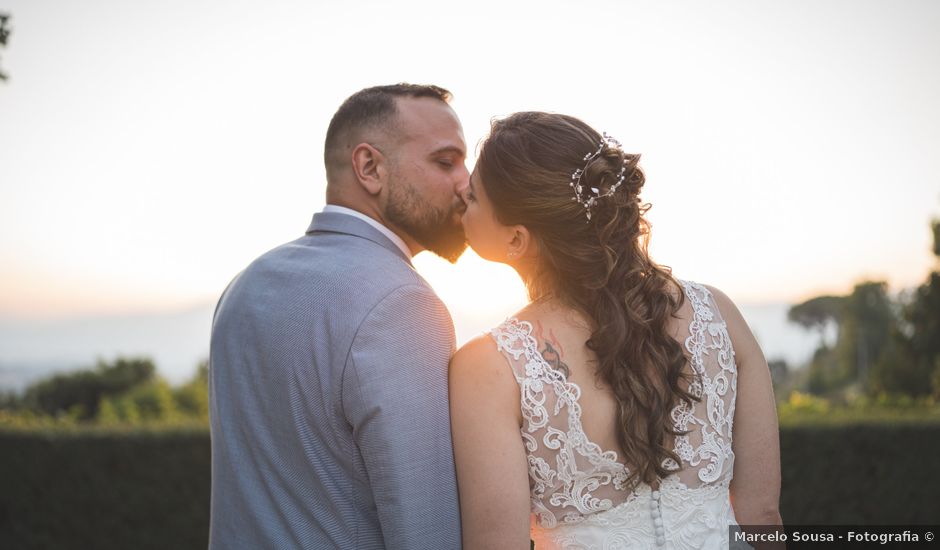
(600,267)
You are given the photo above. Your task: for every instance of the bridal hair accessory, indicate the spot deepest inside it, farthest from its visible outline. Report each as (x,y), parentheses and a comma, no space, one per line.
(587,199)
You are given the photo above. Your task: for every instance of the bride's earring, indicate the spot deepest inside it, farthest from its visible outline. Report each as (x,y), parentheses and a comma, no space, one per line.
(517,244)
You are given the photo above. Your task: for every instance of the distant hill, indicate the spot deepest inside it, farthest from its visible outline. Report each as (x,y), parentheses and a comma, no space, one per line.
(779,338)
(177,341)
(31,349)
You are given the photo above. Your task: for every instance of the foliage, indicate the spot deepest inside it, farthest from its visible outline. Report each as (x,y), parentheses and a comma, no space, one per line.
(4,37)
(149,487)
(805,409)
(90,487)
(9,400)
(817,313)
(156,401)
(779,372)
(859,473)
(935,228)
(79,393)
(192,399)
(824,373)
(912,362)
(802,403)
(884,345)
(869,319)
(123,393)
(866,318)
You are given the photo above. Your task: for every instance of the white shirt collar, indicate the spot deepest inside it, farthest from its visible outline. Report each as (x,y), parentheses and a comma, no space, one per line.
(384,230)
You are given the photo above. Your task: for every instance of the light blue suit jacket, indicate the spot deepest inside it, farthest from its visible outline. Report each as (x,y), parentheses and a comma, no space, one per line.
(328,399)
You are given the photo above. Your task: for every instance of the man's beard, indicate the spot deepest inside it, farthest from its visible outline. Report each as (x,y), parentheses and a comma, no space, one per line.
(436,230)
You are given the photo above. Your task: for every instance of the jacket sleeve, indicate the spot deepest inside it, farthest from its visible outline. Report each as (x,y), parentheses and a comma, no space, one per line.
(395,398)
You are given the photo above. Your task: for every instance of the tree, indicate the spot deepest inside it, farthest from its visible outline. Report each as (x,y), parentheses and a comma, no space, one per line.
(83,390)
(923,312)
(817,314)
(915,346)
(10,401)
(192,399)
(4,36)
(865,319)
(153,401)
(868,322)
(823,375)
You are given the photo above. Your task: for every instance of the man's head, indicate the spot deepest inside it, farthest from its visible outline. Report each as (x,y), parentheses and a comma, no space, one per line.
(396,153)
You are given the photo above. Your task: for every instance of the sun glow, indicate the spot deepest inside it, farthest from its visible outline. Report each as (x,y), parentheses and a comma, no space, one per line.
(479,294)
(170,164)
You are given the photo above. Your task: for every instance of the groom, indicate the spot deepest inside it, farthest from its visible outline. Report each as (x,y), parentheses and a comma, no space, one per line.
(328,361)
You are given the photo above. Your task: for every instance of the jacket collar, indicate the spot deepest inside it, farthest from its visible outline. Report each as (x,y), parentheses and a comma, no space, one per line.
(336,222)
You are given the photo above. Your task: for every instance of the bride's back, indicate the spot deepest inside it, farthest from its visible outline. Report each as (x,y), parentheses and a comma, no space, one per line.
(560,203)
(570,418)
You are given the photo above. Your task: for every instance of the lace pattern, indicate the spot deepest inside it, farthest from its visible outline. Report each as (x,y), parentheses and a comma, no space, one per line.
(697,518)
(580,466)
(708,339)
(572,479)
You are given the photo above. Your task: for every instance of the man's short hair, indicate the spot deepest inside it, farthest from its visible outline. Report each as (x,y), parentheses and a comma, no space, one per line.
(371,107)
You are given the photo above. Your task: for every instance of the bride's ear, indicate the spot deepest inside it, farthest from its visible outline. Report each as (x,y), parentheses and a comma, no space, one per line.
(521,244)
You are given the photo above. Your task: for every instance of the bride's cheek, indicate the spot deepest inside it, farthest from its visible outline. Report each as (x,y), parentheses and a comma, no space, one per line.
(468,227)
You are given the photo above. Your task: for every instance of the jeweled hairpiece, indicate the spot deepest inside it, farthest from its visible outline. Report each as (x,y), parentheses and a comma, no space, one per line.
(587,199)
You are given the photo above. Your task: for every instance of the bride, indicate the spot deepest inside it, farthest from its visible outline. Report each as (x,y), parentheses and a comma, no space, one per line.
(601,415)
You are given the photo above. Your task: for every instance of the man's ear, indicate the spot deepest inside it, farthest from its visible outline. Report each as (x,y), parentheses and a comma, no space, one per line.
(521,244)
(369,166)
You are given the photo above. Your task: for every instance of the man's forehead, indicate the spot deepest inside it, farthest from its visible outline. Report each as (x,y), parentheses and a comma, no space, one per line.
(431,122)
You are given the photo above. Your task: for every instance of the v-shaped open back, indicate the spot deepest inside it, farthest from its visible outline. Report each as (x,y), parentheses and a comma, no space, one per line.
(572,479)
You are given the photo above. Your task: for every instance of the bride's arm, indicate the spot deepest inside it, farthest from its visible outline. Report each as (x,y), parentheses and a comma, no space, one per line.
(492,474)
(755,488)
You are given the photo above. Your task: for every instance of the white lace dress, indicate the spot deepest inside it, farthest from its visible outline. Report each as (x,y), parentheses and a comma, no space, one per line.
(577,489)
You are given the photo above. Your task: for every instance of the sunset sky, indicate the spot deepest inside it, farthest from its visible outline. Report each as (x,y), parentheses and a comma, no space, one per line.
(150,150)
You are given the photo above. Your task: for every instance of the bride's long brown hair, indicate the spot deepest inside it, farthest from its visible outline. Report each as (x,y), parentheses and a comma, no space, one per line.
(599,266)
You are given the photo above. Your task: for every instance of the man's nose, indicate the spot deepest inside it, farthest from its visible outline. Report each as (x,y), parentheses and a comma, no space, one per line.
(463,183)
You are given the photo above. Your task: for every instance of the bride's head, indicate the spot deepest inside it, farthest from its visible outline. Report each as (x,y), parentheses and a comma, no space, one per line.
(560,202)
(555,199)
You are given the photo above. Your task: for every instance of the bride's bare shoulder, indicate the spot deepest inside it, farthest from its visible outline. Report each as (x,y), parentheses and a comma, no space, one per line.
(480,378)
(480,349)
(482,353)
(480,359)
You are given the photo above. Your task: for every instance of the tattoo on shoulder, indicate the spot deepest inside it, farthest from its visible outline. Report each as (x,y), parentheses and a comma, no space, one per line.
(553,358)
(549,352)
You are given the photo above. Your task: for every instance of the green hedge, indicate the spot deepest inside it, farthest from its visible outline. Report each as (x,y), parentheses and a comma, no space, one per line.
(99,490)
(860,474)
(149,488)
